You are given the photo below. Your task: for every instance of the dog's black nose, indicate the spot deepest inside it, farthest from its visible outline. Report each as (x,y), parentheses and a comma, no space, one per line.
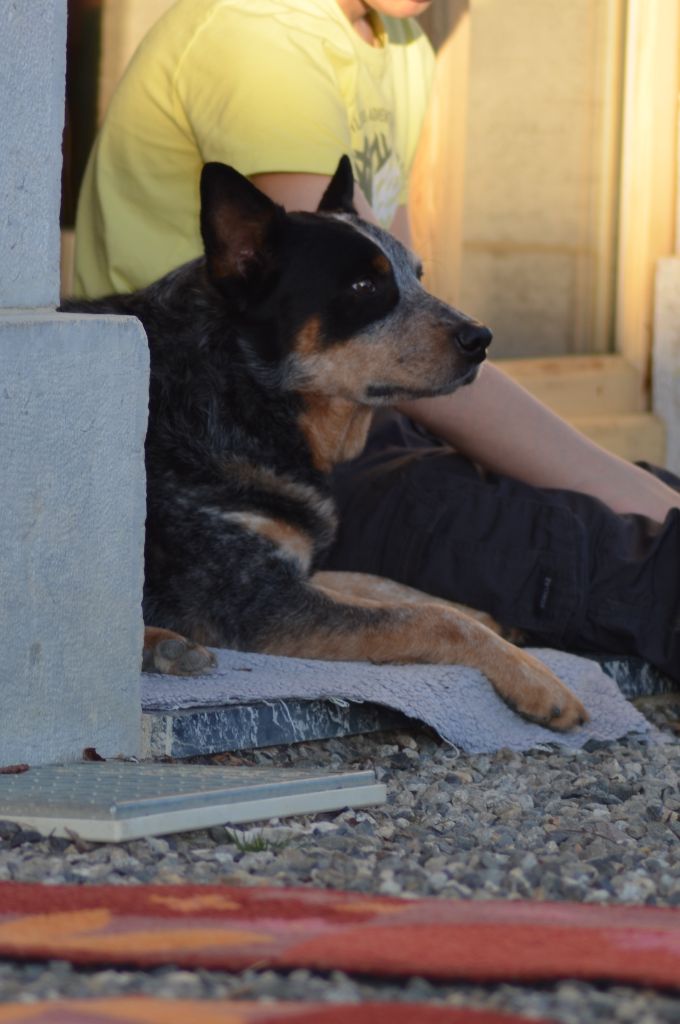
(473,338)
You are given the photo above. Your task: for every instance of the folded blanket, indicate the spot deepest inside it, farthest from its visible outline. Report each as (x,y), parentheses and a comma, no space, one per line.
(458,702)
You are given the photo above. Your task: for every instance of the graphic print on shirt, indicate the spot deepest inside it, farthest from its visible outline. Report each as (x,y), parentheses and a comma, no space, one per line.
(376,165)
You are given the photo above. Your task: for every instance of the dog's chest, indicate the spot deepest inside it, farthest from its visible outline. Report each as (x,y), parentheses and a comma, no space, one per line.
(334,429)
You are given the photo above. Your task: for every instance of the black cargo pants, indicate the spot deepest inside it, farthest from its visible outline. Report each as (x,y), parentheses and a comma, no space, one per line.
(556,564)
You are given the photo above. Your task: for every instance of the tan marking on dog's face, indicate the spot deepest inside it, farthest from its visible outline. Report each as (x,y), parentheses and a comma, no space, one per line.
(407,347)
(308,340)
(292,544)
(381,264)
(419,357)
(334,429)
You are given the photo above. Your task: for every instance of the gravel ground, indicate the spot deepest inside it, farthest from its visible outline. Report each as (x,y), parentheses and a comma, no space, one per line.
(596,826)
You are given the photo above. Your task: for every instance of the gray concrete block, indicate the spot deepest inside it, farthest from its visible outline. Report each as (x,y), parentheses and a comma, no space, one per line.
(32,77)
(73,401)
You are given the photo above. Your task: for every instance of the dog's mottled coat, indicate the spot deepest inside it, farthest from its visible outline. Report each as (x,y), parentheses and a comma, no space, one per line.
(267,358)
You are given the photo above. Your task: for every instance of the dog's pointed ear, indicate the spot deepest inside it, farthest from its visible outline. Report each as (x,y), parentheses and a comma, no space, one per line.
(238,226)
(339,196)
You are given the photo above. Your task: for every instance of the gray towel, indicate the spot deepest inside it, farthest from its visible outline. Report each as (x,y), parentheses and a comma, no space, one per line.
(459,703)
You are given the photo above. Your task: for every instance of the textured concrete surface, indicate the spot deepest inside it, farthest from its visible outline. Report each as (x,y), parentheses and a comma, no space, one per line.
(32,76)
(73,401)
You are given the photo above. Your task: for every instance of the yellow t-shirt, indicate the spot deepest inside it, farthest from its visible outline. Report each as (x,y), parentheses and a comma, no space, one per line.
(263,85)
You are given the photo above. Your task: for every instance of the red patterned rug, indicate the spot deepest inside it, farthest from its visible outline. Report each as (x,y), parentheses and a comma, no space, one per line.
(141,1010)
(235,928)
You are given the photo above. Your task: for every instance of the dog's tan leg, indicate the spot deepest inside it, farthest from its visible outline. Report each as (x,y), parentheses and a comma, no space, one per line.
(351,585)
(361,629)
(174,655)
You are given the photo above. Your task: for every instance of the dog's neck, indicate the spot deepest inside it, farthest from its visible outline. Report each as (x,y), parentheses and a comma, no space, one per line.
(335,429)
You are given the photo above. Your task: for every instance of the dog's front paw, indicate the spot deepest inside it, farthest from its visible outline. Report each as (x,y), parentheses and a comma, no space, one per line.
(170,654)
(531,689)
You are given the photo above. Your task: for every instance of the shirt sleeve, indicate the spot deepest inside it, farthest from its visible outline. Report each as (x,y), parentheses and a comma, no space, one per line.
(262,96)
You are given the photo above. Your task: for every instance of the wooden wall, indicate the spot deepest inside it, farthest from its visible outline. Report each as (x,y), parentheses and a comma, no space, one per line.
(524,168)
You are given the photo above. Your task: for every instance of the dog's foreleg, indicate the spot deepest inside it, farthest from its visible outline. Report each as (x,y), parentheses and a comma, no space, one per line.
(350,585)
(318,624)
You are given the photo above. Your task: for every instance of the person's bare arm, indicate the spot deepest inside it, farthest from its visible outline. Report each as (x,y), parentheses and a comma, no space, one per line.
(303,191)
(495,421)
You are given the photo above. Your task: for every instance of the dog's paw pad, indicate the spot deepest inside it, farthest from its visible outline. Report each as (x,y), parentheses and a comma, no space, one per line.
(566,715)
(196,659)
(171,650)
(176,656)
(531,689)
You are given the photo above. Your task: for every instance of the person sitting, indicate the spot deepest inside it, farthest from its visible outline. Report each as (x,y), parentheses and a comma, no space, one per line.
(484,496)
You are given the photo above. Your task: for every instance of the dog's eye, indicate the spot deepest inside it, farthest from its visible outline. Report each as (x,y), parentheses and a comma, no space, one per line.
(364,286)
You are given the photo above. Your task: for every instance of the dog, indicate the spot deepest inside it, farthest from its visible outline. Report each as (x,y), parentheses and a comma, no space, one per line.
(268,356)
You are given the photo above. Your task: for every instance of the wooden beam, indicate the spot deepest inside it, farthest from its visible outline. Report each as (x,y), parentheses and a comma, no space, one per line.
(436,201)
(648,169)
(124,25)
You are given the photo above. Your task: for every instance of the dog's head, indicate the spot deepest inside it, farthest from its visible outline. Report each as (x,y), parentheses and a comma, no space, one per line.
(332,302)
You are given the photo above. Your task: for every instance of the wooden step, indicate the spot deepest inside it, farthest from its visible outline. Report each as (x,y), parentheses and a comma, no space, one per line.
(633,436)
(580,385)
(602,396)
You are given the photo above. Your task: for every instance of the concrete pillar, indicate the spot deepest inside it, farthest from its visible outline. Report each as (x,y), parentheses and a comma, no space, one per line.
(73,399)
(32,66)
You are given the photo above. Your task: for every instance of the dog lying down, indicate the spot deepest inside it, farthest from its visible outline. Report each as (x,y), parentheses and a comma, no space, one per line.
(268,356)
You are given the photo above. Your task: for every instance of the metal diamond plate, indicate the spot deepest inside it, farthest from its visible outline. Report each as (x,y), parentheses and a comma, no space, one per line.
(114,800)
